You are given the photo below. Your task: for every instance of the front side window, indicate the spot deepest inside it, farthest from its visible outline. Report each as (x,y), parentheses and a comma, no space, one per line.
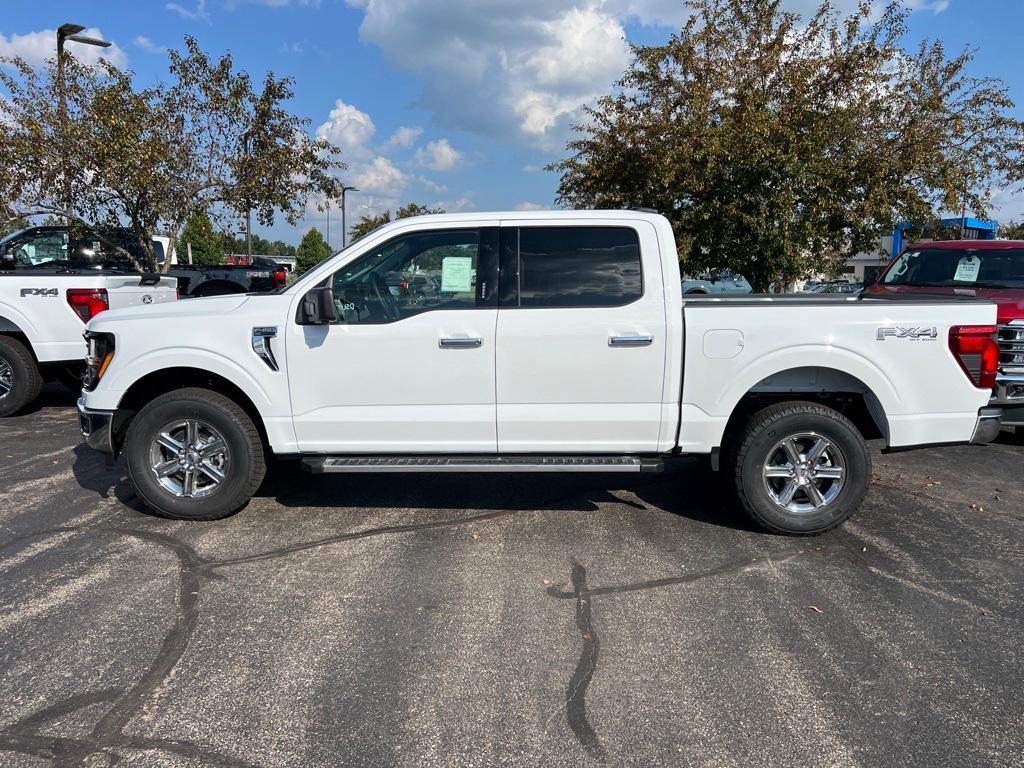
(579,267)
(420,272)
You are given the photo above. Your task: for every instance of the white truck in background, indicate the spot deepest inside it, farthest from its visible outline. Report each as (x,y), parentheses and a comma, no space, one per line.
(536,342)
(43,313)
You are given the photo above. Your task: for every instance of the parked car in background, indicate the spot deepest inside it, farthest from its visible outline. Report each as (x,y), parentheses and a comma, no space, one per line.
(44,306)
(52,248)
(988,269)
(832,286)
(724,281)
(555,343)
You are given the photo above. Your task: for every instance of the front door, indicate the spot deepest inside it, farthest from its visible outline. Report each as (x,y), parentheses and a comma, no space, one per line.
(409,366)
(581,339)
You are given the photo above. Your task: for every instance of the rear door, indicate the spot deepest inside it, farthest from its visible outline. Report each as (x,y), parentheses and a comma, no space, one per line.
(581,335)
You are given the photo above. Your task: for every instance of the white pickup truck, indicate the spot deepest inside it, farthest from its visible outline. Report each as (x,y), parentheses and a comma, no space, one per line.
(43,313)
(531,342)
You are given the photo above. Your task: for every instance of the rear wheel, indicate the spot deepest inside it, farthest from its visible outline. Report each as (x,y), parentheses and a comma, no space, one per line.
(801,468)
(20,380)
(194,454)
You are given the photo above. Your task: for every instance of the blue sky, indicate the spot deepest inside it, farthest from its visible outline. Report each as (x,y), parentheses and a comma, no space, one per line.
(458,103)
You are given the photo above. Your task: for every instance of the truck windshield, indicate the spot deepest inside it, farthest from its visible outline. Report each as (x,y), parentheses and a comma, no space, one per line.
(958,268)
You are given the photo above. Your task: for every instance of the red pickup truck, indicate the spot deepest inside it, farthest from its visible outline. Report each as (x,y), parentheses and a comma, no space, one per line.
(990,269)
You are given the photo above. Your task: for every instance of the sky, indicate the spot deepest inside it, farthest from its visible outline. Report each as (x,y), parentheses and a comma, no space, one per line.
(452,103)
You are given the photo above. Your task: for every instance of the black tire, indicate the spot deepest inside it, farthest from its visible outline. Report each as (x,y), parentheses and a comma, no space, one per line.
(21,372)
(806,423)
(244,468)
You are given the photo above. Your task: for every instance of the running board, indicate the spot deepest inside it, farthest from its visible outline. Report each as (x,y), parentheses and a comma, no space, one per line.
(331,464)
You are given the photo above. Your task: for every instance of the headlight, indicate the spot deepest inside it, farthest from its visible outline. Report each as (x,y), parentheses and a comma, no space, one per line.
(101,352)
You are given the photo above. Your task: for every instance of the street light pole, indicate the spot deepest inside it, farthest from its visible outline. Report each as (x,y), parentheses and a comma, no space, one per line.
(68,32)
(344,230)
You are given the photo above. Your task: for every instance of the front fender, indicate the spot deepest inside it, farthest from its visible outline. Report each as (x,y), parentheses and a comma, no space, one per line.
(121,376)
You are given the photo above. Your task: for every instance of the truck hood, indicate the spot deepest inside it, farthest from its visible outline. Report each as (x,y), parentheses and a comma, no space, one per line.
(211,306)
(1009,301)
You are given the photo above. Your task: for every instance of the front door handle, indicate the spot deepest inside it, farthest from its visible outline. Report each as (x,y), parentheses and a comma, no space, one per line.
(460,342)
(630,341)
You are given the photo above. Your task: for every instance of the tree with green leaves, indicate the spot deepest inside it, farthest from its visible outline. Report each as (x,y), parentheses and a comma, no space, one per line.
(311,251)
(1012,230)
(778,146)
(207,246)
(367,224)
(209,141)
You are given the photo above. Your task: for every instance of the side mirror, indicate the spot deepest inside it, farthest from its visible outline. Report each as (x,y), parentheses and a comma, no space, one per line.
(6,259)
(317,307)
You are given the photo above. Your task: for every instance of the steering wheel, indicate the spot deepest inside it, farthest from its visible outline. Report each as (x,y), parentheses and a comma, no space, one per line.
(387,301)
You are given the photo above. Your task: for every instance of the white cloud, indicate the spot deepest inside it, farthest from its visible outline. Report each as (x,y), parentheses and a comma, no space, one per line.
(37,47)
(199,12)
(438,156)
(513,70)
(381,178)
(403,137)
(532,207)
(348,127)
(143,42)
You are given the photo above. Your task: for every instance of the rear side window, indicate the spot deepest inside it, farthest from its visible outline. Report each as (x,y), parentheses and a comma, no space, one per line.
(579,266)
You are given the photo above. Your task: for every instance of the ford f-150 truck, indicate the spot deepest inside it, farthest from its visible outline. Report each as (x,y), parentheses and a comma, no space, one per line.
(551,342)
(43,313)
(988,269)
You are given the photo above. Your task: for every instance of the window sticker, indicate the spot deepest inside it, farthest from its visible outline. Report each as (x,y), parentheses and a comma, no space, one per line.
(457,274)
(967,270)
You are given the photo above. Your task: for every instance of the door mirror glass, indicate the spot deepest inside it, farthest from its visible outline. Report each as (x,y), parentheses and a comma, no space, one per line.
(317,307)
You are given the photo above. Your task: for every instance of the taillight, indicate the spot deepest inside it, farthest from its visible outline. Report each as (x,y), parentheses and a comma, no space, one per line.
(88,302)
(280,277)
(976,349)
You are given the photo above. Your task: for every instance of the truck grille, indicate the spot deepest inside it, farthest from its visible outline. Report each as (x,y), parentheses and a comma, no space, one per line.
(1011,347)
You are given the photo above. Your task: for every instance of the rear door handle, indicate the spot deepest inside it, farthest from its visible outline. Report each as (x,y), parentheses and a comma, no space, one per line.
(630,341)
(460,342)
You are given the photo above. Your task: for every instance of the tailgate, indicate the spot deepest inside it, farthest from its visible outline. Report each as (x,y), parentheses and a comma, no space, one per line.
(129,291)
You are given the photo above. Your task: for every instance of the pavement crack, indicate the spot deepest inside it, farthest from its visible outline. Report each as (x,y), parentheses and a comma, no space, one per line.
(727,569)
(586,667)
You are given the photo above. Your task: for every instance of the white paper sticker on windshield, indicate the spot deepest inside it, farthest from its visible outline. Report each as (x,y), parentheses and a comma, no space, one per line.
(457,274)
(967,270)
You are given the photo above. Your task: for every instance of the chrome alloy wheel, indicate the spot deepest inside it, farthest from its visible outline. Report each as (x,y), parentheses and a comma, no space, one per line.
(6,378)
(804,472)
(189,458)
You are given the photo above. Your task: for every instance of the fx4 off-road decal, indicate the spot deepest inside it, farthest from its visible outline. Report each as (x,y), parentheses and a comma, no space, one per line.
(39,292)
(914,334)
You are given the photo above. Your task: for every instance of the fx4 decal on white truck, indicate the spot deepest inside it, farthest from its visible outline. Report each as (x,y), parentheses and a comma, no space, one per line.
(529,342)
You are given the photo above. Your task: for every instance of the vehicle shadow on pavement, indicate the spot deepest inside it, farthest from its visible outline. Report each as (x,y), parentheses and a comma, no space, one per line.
(687,489)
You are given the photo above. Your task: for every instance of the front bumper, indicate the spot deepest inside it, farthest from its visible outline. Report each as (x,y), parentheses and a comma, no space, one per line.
(987,429)
(97,427)
(1009,395)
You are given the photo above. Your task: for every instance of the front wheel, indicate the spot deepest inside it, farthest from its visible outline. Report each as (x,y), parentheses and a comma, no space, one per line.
(193,454)
(801,468)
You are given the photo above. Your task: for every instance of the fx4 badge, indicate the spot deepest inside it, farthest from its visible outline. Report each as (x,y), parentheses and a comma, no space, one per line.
(39,292)
(914,334)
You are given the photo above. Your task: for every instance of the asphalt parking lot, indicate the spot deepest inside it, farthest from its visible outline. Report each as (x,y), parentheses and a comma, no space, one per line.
(509,620)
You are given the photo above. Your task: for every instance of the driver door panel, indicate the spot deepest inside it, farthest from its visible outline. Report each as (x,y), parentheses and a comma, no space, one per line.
(419,382)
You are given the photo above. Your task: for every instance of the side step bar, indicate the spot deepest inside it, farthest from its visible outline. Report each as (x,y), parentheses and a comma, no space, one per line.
(331,464)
